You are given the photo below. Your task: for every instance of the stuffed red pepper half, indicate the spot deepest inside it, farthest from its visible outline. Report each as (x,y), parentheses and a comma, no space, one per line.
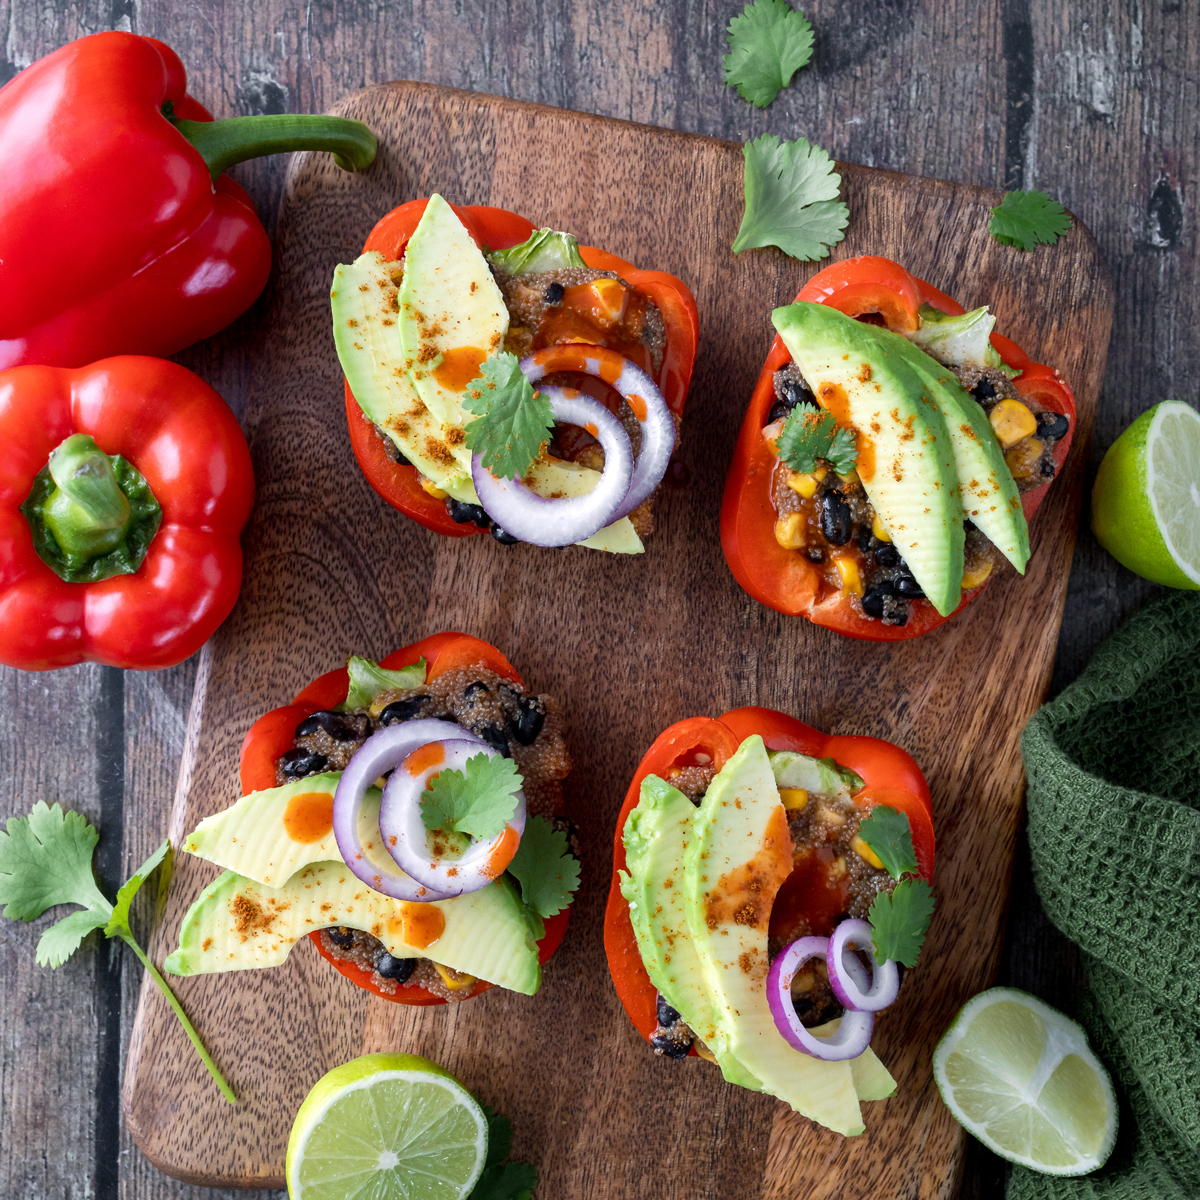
(894,448)
(505,379)
(770,883)
(407,816)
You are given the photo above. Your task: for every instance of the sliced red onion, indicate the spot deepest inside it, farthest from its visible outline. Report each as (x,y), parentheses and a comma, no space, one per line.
(382,752)
(854,1031)
(407,840)
(541,521)
(638,390)
(848,977)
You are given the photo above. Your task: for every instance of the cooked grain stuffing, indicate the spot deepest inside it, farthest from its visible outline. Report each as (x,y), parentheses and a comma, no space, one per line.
(528,729)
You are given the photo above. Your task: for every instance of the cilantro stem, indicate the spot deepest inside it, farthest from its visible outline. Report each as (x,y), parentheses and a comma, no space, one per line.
(188,1027)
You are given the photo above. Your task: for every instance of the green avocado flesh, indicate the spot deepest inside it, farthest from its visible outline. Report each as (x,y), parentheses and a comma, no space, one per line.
(817,776)
(701,953)
(861,374)
(238,923)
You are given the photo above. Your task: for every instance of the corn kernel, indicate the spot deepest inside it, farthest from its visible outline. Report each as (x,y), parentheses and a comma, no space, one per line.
(804,484)
(850,478)
(848,570)
(803,981)
(831,816)
(789,531)
(1022,459)
(794,799)
(878,530)
(837,868)
(974,576)
(703,1051)
(865,852)
(1011,420)
(456,981)
(432,488)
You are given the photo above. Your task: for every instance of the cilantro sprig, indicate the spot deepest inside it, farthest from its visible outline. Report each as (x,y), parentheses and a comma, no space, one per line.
(791,199)
(479,800)
(1027,219)
(501,1179)
(545,868)
(512,422)
(768,43)
(46,860)
(899,919)
(810,433)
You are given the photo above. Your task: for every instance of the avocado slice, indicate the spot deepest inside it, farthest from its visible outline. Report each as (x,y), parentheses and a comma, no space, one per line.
(990,496)
(543,250)
(238,924)
(739,855)
(860,373)
(817,776)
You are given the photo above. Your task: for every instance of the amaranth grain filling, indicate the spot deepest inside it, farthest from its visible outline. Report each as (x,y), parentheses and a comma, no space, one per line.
(526,728)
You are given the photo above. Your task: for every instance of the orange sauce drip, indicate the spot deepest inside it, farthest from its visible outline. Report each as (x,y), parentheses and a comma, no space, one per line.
(420,925)
(591,429)
(810,903)
(637,404)
(458,367)
(419,761)
(308,816)
(834,399)
(502,853)
(744,896)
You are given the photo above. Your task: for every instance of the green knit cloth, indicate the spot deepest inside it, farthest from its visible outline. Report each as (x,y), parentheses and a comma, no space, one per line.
(1114,827)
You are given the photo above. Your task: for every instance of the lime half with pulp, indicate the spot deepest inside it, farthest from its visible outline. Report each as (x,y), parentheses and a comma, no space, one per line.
(1022,1078)
(386,1127)
(1146,501)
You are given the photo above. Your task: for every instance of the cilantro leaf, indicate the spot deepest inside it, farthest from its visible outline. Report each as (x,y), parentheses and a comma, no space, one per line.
(512,421)
(791,199)
(499,1136)
(810,433)
(546,870)
(368,679)
(899,921)
(478,800)
(118,923)
(888,832)
(768,43)
(1025,219)
(513,1181)
(62,939)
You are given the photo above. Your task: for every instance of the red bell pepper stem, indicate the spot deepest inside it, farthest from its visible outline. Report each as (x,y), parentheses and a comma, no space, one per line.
(235,139)
(87,512)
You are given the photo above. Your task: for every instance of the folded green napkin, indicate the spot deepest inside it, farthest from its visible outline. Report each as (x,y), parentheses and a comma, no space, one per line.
(1114,827)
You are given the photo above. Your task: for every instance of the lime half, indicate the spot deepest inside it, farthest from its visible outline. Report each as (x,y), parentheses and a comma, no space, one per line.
(1146,502)
(386,1127)
(1022,1078)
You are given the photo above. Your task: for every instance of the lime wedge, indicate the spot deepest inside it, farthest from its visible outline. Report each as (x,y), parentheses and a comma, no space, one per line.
(1146,502)
(386,1127)
(1022,1078)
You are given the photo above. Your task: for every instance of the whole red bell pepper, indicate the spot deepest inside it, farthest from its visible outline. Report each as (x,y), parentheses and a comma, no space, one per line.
(275,732)
(497,229)
(118,232)
(890,776)
(784,579)
(132,562)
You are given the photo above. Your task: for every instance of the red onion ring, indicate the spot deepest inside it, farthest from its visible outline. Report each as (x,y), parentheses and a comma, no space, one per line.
(383,751)
(407,840)
(854,1031)
(638,390)
(540,521)
(847,976)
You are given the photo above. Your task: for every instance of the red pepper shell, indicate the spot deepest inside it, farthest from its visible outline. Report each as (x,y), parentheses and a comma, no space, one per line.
(183,438)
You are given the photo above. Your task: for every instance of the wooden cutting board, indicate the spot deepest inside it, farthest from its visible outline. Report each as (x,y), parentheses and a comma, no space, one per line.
(629,645)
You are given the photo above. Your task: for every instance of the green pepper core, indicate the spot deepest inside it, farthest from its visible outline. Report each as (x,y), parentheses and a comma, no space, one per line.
(92,515)
(236,139)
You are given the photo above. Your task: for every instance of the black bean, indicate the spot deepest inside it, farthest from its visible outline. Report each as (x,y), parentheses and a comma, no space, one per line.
(908,587)
(969,525)
(342,938)
(398,969)
(530,719)
(494,736)
(300,762)
(780,408)
(667,1016)
(814,554)
(462,513)
(670,1046)
(554,293)
(1052,425)
(473,689)
(984,390)
(403,710)
(887,556)
(796,391)
(837,523)
(875,601)
(502,536)
(342,727)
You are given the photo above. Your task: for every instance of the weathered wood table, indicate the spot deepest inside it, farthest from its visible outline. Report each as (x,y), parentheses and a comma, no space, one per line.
(1092,103)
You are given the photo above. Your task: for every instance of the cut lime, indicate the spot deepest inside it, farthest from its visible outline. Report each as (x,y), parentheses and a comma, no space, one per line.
(1022,1078)
(386,1127)
(1146,502)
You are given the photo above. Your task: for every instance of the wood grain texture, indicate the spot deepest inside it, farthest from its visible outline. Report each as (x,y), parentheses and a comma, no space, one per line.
(629,645)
